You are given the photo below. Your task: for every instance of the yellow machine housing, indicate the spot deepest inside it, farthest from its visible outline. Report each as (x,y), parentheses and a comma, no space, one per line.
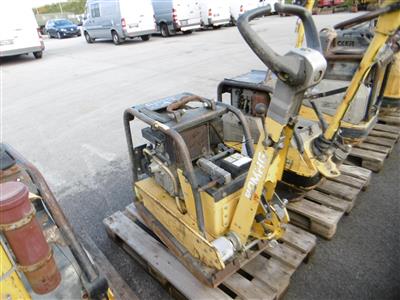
(11,285)
(391,100)
(217,214)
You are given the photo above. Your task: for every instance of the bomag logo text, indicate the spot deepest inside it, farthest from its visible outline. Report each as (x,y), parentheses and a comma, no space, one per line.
(256,174)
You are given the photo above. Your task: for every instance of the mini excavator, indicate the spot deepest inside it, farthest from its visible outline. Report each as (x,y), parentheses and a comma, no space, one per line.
(199,194)
(318,149)
(40,256)
(353,39)
(344,47)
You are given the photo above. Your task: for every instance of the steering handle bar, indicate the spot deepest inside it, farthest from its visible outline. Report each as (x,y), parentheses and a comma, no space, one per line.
(289,68)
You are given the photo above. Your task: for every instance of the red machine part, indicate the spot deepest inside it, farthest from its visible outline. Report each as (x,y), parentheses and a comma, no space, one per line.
(26,239)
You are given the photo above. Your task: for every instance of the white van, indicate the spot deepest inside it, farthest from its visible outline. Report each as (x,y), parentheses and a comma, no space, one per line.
(239,7)
(214,13)
(19,31)
(174,16)
(118,20)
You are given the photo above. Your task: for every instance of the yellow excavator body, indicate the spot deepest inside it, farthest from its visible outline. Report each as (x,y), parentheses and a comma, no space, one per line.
(391,100)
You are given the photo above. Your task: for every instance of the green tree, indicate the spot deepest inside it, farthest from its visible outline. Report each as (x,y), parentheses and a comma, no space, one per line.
(72,6)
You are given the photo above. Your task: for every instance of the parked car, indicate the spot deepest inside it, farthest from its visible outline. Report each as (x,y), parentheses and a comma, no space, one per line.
(174,16)
(61,28)
(239,7)
(214,13)
(42,19)
(118,20)
(19,31)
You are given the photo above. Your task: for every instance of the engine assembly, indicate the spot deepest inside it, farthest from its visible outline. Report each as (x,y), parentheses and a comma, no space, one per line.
(191,145)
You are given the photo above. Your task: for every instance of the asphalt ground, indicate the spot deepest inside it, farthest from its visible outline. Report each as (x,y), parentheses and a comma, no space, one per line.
(64,113)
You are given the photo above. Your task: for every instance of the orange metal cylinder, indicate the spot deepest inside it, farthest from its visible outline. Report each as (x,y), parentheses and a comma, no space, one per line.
(26,239)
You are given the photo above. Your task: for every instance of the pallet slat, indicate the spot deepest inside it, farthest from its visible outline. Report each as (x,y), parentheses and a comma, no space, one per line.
(271,271)
(245,288)
(338,189)
(384,134)
(328,200)
(387,128)
(155,254)
(356,172)
(349,180)
(376,148)
(369,155)
(391,120)
(308,224)
(369,159)
(299,239)
(286,254)
(316,212)
(380,141)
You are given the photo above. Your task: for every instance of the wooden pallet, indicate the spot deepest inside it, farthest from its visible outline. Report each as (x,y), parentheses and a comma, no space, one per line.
(372,153)
(267,276)
(321,209)
(389,117)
